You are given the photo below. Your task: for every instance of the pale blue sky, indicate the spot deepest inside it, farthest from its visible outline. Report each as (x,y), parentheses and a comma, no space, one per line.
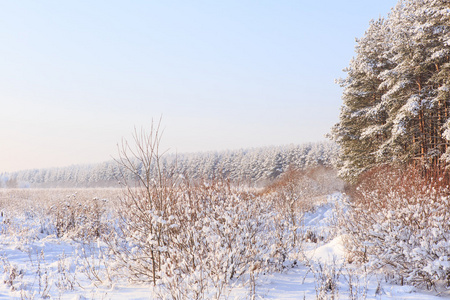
(77,76)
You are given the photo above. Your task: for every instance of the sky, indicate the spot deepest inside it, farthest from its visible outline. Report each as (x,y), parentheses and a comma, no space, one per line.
(76,77)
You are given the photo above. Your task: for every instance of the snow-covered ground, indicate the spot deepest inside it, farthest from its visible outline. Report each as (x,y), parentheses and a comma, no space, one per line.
(46,266)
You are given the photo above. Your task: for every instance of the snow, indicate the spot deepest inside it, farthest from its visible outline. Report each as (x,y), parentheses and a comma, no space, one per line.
(333,251)
(48,266)
(299,284)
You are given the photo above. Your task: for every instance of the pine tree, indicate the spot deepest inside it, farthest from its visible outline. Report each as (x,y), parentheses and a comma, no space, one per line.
(362,126)
(396,94)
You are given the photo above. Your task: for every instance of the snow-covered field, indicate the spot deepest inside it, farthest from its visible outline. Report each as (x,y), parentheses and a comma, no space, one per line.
(37,261)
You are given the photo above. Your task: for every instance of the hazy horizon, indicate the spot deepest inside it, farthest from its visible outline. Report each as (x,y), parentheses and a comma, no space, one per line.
(166,152)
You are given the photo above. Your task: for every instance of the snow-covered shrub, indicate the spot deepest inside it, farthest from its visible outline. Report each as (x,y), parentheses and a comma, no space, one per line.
(398,222)
(65,279)
(210,235)
(93,262)
(80,218)
(327,279)
(293,193)
(357,282)
(11,274)
(191,238)
(297,192)
(29,214)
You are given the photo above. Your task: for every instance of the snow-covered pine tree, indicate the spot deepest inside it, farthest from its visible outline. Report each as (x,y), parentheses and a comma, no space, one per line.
(396,94)
(362,126)
(417,29)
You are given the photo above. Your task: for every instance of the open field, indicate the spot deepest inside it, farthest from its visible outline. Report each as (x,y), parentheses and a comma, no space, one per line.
(214,241)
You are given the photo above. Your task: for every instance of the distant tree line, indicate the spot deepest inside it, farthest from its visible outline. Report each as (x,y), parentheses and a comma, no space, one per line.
(254,165)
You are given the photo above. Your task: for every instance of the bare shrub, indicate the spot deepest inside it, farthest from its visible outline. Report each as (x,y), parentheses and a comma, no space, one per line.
(398,222)
(326,277)
(95,264)
(356,288)
(147,202)
(65,280)
(12,275)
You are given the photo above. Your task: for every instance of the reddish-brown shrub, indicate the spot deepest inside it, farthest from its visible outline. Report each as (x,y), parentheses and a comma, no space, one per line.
(397,221)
